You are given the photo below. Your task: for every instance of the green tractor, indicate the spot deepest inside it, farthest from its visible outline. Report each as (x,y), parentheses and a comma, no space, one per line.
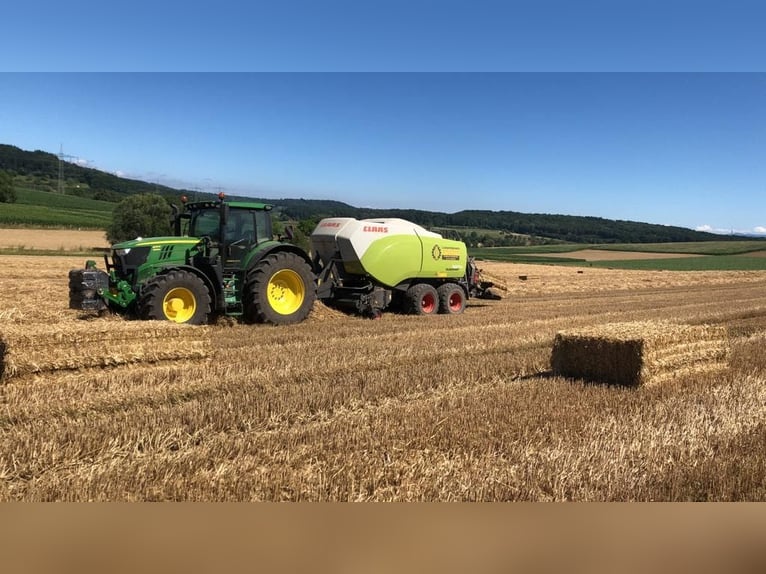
(222,260)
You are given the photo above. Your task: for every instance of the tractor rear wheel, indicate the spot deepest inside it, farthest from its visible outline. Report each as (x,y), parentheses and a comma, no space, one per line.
(422,299)
(178,295)
(280,290)
(451,299)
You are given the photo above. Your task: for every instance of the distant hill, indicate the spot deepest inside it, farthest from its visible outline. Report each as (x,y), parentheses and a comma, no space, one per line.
(42,169)
(39,170)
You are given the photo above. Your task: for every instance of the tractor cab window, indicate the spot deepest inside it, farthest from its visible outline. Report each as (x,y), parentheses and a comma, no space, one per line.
(240,227)
(239,235)
(263,226)
(205,222)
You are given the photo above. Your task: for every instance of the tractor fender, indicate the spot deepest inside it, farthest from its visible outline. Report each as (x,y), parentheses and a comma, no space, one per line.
(279,248)
(211,285)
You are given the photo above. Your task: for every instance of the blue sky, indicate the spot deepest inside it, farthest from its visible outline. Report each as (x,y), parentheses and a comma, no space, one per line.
(384,35)
(619,108)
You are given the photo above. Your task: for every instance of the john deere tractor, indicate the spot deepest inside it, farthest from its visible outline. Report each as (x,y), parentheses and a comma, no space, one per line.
(222,260)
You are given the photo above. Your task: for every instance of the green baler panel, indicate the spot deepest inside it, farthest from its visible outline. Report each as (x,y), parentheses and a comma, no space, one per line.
(443,258)
(392,260)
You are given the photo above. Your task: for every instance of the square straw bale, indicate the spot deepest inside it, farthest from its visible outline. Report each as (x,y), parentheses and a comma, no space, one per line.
(26,349)
(638,353)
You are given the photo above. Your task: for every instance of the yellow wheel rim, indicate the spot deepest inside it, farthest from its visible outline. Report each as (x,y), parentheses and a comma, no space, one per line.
(179,305)
(286,292)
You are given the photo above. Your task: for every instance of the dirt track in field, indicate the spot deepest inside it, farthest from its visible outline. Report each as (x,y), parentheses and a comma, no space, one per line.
(64,239)
(604,255)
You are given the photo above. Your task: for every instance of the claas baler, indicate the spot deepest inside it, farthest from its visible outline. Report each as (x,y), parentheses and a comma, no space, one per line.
(372,264)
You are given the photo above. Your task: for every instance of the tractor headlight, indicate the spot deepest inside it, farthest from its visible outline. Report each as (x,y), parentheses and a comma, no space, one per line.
(122,252)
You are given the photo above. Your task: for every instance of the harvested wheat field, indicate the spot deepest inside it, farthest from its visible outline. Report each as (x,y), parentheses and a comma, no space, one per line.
(57,239)
(404,408)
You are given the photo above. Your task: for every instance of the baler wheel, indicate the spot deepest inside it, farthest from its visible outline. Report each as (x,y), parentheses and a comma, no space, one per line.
(451,299)
(422,299)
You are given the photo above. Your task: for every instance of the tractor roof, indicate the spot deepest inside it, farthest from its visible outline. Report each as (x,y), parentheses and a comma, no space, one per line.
(232,204)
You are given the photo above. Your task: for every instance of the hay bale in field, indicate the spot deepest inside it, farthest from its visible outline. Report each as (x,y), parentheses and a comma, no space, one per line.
(638,353)
(26,349)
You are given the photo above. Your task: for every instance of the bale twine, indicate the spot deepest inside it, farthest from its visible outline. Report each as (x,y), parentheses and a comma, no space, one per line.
(638,353)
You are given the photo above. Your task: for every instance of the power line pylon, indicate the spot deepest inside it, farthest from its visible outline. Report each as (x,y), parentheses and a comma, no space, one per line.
(63,157)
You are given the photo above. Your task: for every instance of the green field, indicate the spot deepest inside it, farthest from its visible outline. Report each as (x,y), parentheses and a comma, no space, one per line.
(515,253)
(710,263)
(35,208)
(721,255)
(691,248)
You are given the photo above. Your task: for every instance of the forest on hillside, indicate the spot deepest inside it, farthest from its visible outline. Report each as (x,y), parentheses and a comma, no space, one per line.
(45,171)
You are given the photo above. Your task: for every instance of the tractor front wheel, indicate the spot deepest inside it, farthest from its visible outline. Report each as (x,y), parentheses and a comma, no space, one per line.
(422,299)
(280,290)
(178,295)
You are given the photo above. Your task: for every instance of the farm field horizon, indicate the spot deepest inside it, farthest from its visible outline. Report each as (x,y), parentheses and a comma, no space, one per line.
(707,255)
(400,409)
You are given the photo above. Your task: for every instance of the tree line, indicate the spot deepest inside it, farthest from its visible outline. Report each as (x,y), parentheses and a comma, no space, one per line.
(540,227)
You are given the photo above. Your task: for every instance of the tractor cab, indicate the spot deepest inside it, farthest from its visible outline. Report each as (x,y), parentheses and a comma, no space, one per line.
(232,228)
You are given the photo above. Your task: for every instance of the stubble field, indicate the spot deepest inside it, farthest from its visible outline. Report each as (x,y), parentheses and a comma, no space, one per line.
(60,239)
(404,408)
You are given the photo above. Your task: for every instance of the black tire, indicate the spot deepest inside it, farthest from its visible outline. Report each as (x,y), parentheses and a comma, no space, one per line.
(281,289)
(177,295)
(451,299)
(421,299)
